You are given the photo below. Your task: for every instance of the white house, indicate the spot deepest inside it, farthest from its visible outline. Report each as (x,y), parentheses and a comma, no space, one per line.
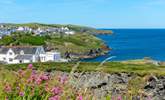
(69,32)
(27,54)
(53,56)
(20,29)
(1,26)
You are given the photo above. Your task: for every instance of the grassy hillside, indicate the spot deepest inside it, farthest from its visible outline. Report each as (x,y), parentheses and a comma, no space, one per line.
(78,43)
(109,67)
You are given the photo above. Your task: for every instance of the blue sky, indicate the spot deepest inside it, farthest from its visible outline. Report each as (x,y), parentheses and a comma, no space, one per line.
(95,13)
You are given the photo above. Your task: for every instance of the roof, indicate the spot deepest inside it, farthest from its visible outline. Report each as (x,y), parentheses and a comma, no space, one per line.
(18,49)
(3,50)
(20,57)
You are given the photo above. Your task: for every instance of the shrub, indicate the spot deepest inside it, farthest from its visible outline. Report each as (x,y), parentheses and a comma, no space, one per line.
(30,84)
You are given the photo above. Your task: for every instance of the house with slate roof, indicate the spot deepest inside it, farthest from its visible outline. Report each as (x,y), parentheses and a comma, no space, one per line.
(27,54)
(17,54)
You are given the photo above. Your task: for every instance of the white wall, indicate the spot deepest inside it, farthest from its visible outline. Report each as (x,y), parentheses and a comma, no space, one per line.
(43,57)
(53,56)
(2,56)
(18,61)
(10,56)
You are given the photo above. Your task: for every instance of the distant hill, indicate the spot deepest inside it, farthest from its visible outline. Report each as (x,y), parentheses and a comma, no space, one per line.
(76,28)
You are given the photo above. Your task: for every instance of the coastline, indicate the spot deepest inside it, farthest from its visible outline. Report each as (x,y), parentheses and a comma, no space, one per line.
(103,52)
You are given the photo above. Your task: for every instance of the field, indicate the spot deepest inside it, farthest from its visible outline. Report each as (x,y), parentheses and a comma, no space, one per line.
(140,68)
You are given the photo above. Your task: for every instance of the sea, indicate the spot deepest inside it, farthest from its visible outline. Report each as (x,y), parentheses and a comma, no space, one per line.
(131,44)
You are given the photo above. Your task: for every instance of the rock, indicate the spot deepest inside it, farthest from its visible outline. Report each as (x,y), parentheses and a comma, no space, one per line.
(103,84)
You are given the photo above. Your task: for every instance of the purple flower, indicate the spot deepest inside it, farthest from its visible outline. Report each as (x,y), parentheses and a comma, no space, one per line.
(44,77)
(56,90)
(34,72)
(149,98)
(63,79)
(18,88)
(31,78)
(38,81)
(79,97)
(113,98)
(119,98)
(21,94)
(47,87)
(7,88)
(30,66)
(21,73)
(54,98)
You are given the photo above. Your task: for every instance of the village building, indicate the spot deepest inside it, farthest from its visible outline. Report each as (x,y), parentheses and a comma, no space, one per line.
(27,54)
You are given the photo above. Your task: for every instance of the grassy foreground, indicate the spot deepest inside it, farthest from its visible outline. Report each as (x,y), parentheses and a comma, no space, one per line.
(31,82)
(109,67)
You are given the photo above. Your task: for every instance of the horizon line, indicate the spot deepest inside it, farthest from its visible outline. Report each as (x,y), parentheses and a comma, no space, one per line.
(84,25)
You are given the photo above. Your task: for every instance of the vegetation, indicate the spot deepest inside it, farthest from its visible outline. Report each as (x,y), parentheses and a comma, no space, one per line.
(29,83)
(109,67)
(78,43)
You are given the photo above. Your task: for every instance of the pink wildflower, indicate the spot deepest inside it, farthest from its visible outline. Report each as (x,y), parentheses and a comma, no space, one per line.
(7,88)
(79,97)
(149,98)
(34,72)
(119,98)
(113,98)
(31,78)
(21,73)
(54,98)
(18,88)
(30,66)
(56,90)
(44,77)
(38,81)
(63,79)
(47,87)
(21,94)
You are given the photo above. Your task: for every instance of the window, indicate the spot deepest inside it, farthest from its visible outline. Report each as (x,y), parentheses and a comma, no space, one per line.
(20,61)
(22,52)
(10,53)
(10,59)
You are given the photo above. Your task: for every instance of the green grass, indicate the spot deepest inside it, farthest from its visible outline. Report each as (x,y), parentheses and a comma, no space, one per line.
(78,43)
(82,42)
(110,67)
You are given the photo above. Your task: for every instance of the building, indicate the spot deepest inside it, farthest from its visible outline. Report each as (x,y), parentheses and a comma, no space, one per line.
(20,29)
(27,54)
(69,32)
(53,56)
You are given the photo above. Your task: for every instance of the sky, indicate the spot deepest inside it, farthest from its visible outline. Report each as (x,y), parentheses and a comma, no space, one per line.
(94,13)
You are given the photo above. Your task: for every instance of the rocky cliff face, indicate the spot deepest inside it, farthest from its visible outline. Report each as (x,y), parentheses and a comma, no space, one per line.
(104,84)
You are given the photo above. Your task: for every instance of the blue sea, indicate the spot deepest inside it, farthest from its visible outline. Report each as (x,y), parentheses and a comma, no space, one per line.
(129,44)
